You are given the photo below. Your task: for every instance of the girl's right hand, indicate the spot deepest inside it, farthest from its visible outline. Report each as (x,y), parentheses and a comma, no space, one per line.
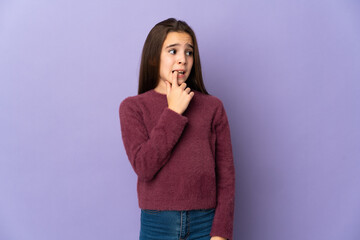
(178,96)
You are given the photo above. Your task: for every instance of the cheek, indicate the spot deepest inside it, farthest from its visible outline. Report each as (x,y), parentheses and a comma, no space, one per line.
(165,62)
(190,60)
(167,65)
(164,67)
(191,63)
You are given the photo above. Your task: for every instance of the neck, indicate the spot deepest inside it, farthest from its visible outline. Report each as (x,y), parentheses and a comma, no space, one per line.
(161,87)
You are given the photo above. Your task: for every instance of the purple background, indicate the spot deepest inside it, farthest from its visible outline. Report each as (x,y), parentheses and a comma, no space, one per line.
(286,71)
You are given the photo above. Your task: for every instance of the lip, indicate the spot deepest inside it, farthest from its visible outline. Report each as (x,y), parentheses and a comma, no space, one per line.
(181,70)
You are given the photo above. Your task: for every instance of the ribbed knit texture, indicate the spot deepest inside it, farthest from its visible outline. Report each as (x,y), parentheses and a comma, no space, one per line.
(183,162)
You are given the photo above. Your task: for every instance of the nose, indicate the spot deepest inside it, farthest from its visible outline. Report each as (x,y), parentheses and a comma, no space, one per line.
(182,59)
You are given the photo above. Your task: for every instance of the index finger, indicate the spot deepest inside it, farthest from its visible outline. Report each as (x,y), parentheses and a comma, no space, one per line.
(174,80)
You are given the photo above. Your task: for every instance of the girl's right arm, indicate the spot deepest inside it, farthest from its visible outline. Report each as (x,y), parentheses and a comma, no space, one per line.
(149,152)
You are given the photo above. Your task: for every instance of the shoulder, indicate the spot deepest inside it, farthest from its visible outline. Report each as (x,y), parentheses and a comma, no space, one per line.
(208,101)
(133,102)
(214,106)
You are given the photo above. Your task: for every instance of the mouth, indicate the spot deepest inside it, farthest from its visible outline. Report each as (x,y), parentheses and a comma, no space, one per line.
(179,71)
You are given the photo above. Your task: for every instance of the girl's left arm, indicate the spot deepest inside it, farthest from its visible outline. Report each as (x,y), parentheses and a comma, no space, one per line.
(225,177)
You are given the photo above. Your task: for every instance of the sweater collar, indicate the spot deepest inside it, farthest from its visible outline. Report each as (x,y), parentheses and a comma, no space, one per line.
(152,91)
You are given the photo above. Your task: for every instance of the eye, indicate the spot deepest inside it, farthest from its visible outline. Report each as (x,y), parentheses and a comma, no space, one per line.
(172,51)
(189,53)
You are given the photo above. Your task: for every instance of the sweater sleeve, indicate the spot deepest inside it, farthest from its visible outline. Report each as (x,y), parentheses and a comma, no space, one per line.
(149,152)
(225,178)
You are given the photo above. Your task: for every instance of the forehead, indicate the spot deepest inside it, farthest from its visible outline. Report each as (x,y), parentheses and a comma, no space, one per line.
(181,38)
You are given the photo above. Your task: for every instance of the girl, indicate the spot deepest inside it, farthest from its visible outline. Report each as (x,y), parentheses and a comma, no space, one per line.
(177,139)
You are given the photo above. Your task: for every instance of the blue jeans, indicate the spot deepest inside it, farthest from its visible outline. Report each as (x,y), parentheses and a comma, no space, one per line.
(175,225)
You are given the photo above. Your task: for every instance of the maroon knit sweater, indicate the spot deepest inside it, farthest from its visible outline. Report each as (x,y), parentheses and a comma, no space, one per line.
(183,162)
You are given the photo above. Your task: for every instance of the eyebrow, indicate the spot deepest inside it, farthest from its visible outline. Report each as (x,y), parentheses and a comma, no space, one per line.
(177,44)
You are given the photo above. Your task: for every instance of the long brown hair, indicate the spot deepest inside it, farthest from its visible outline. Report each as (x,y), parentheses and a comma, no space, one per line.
(150,58)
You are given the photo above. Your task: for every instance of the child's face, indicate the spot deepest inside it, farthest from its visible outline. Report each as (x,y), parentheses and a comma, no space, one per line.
(176,54)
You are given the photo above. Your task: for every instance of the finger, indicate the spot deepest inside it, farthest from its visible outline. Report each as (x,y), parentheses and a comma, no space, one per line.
(183,86)
(174,79)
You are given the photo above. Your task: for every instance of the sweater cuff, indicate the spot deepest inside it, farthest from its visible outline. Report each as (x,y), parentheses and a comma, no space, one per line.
(173,122)
(174,116)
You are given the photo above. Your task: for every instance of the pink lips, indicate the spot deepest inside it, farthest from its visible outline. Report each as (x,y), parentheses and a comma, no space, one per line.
(180,75)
